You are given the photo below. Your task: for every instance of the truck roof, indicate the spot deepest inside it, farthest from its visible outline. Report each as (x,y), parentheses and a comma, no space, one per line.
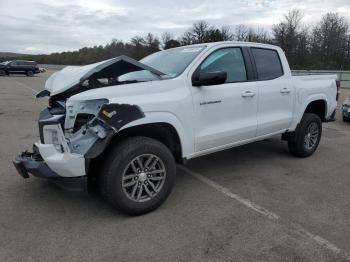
(232,42)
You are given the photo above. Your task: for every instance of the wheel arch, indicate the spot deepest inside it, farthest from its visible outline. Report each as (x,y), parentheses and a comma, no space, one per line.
(313,104)
(317,107)
(161,131)
(165,132)
(162,126)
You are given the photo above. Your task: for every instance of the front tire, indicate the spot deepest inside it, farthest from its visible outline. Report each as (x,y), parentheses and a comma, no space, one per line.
(306,138)
(345,119)
(30,73)
(139,174)
(2,72)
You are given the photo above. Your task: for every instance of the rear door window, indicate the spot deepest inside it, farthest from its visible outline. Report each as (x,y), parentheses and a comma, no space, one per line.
(268,63)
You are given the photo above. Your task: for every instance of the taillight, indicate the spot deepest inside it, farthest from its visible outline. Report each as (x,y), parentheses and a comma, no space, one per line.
(337,82)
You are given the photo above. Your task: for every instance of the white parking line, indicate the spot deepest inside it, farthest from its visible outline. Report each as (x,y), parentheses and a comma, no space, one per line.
(27,87)
(270,215)
(228,193)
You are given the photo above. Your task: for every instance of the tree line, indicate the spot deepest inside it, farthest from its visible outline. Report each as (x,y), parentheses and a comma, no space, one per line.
(325,45)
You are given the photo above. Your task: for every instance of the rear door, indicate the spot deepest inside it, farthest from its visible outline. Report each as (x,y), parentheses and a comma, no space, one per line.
(276,92)
(27,66)
(225,113)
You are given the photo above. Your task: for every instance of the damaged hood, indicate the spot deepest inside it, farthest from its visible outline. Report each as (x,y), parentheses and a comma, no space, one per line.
(71,76)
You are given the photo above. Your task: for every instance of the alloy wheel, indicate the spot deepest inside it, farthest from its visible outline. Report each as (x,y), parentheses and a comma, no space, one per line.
(143,178)
(311,136)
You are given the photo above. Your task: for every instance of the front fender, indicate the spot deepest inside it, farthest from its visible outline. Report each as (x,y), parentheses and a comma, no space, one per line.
(185,134)
(113,126)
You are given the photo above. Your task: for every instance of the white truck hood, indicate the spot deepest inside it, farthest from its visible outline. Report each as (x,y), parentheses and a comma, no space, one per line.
(70,76)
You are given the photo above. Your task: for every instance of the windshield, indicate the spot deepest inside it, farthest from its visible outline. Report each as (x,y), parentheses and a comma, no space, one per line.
(171,62)
(4,63)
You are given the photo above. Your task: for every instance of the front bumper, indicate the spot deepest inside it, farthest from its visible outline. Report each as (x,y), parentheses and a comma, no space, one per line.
(32,164)
(63,162)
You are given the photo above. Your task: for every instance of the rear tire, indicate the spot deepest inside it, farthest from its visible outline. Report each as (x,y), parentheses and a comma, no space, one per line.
(30,73)
(345,119)
(306,138)
(132,179)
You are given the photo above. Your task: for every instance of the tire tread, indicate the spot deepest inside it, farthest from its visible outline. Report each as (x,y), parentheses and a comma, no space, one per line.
(296,144)
(121,151)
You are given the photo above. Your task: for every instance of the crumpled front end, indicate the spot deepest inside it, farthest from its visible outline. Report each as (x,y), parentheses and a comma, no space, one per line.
(71,131)
(71,136)
(32,163)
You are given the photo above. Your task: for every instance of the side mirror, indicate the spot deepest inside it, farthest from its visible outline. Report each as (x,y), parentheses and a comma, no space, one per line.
(209,78)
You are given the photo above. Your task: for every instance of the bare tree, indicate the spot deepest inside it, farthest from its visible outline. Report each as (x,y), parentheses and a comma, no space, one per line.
(258,35)
(152,43)
(347,53)
(168,41)
(213,35)
(329,40)
(286,33)
(202,32)
(186,39)
(245,33)
(226,33)
(199,32)
(137,41)
(302,59)
(241,32)
(166,37)
(172,43)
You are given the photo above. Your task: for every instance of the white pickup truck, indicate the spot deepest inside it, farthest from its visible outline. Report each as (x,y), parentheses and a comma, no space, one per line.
(123,125)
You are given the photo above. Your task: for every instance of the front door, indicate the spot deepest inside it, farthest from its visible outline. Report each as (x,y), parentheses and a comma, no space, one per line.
(14,67)
(225,113)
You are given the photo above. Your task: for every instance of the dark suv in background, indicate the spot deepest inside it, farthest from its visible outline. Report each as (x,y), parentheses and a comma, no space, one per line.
(19,67)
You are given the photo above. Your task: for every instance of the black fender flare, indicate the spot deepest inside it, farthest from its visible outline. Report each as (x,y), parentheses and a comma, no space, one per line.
(112,117)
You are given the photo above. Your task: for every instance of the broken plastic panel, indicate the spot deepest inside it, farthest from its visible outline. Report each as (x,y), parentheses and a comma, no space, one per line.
(95,135)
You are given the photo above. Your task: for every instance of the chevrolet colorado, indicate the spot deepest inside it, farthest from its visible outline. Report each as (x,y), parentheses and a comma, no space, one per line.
(123,124)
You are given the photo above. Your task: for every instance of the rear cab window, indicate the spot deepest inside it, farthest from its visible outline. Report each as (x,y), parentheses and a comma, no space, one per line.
(267,62)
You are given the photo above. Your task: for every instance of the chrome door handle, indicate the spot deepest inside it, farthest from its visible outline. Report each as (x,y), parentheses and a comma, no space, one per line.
(285,90)
(248,94)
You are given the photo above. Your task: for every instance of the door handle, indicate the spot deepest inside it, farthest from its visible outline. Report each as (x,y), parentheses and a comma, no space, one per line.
(248,94)
(285,90)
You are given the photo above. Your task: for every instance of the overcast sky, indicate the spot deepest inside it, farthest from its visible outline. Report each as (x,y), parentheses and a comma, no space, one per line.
(42,26)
